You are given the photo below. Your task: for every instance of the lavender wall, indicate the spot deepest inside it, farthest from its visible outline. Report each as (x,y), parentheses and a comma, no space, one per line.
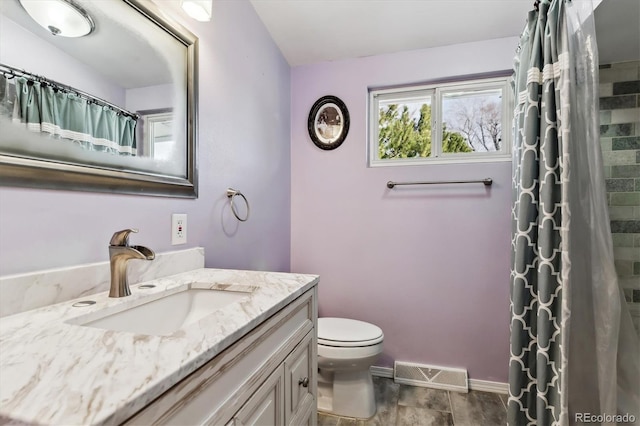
(429,265)
(244,103)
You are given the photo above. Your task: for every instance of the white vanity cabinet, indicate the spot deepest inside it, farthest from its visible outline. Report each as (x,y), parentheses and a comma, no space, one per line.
(267,377)
(286,397)
(300,369)
(266,406)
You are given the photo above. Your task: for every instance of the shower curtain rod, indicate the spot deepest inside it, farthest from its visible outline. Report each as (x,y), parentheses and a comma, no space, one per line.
(485,181)
(17,72)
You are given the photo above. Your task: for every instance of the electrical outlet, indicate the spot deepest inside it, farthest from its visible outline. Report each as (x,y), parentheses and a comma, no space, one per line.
(178,229)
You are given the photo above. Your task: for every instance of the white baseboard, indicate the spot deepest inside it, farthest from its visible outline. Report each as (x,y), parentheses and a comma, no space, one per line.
(488,386)
(386,372)
(474,384)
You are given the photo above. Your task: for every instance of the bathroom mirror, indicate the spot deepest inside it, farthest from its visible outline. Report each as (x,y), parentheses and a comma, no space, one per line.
(115,109)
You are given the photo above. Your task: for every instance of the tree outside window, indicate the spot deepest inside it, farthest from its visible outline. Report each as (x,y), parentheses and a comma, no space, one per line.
(431,122)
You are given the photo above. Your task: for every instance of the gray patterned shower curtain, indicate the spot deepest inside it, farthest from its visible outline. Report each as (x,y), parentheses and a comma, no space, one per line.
(574,353)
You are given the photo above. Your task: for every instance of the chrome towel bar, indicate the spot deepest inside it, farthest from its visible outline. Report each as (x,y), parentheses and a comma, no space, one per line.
(485,181)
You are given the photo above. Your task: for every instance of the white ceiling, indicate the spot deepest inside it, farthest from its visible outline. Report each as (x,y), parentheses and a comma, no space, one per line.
(311,31)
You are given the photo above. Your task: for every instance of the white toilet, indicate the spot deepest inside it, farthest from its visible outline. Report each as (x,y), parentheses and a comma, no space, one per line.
(346,350)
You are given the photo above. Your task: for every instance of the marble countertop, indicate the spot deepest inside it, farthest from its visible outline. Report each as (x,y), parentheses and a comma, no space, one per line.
(53,372)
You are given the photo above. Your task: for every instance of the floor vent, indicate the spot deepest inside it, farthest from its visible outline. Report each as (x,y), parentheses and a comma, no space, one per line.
(430,376)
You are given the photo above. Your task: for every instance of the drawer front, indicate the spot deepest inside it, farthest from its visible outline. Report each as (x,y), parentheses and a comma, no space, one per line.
(300,370)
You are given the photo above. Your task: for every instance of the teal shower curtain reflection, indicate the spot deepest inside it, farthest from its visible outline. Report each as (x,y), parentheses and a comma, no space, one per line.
(573,351)
(42,108)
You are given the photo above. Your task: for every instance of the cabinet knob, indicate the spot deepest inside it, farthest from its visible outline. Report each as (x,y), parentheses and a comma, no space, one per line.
(304,382)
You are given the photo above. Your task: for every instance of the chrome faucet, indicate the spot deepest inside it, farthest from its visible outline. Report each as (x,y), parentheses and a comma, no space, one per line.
(120,252)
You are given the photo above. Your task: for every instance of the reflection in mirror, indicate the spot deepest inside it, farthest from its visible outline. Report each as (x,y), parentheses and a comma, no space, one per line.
(156,134)
(54,111)
(115,104)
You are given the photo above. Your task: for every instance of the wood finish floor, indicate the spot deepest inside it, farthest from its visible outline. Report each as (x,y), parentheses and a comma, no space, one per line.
(402,405)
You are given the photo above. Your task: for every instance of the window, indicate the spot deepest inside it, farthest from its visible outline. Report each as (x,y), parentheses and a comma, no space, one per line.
(453,122)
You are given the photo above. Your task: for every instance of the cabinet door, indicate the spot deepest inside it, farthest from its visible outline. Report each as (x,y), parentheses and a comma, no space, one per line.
(300,379)
(265,407)
(306,417)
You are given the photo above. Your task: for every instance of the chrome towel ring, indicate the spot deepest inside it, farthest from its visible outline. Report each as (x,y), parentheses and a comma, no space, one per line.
(231,194)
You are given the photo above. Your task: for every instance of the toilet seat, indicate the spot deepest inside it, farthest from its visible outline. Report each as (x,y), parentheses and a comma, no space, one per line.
(347,333)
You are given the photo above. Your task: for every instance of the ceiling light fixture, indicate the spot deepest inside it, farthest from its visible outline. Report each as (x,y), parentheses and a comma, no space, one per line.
(200,10)
(61,18)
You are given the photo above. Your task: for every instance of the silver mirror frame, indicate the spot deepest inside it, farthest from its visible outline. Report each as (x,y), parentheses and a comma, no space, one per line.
(39,173)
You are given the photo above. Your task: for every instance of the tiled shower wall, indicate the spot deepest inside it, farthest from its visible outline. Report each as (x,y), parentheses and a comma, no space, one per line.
(620,140)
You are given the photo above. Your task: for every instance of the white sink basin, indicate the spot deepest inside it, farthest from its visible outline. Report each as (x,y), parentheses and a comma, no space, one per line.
(165,315)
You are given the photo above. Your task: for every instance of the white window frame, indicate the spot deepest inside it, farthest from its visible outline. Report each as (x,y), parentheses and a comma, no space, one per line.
(435,91)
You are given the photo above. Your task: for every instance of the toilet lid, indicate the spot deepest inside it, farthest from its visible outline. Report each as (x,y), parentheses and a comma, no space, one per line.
(345,332)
